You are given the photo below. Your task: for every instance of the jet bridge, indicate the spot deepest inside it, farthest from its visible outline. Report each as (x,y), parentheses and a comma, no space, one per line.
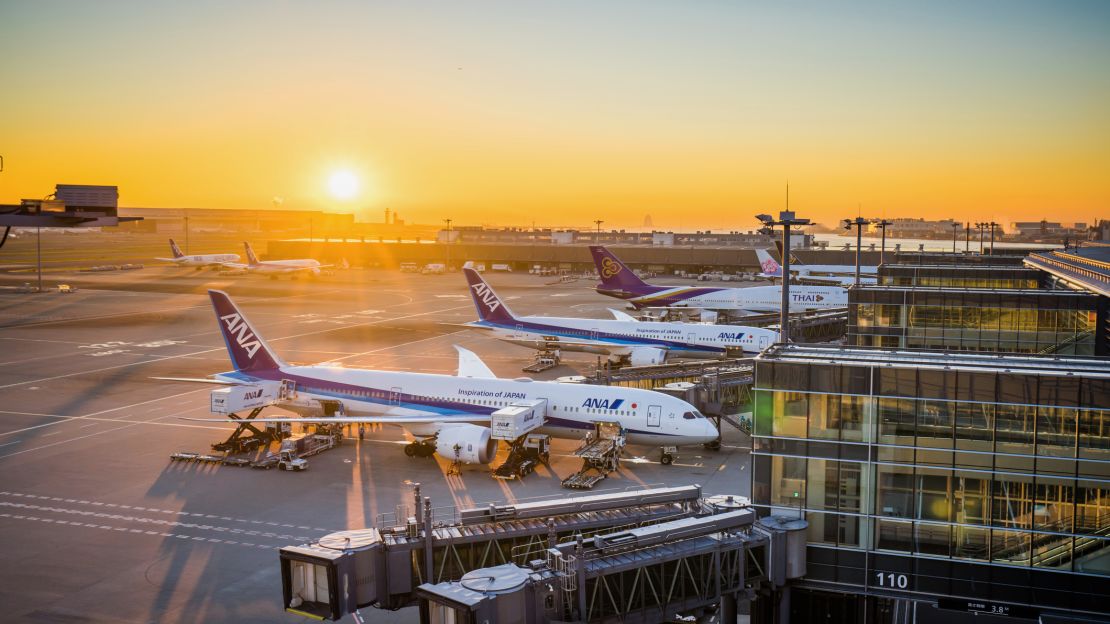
(685,567)
(382,566)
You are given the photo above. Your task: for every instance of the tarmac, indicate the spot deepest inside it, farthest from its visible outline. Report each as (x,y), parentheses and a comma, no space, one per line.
(98,525)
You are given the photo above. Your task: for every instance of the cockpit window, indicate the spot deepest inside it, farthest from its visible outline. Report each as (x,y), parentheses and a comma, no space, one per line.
(692,415)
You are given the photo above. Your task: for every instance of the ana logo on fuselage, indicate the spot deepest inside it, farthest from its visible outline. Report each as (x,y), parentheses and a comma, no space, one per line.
(609,268)
(488,297)
(244,337)
(738,336)
(610,404)
(257,394)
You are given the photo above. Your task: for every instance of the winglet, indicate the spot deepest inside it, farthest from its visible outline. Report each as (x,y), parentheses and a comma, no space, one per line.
(470,365)
(246,347)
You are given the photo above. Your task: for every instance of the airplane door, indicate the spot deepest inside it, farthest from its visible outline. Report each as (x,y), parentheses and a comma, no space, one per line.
(288,390)
(762,342)
(593,334)
(394,396)
(655,414)
(692,338)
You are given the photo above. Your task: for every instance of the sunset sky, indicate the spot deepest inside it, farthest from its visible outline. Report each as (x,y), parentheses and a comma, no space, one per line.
(695,112)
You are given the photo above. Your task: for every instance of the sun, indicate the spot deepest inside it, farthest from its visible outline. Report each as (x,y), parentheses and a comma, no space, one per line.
(343,185)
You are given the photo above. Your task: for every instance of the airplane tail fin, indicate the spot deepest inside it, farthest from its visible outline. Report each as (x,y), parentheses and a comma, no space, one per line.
(615,275)
(246,347)
(251,258)
(489,305)
(176,250)
(770,266)
(793,259)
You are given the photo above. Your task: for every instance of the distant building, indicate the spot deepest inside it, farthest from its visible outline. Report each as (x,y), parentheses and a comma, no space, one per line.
(917,228)
(748,240)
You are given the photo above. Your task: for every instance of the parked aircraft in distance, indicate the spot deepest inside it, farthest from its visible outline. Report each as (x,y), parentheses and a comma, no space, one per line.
(275,268)
(622,338)
(838,274)
(199,261)
(617,280)
(449,415)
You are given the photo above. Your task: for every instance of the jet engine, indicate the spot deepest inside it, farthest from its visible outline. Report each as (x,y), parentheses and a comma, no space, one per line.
(470,444)
(647,356)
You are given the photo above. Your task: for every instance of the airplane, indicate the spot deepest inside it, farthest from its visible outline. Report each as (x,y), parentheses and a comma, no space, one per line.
(622,338)
(838,274)
(274,268)
(617,280)
(199,261)
(447,414)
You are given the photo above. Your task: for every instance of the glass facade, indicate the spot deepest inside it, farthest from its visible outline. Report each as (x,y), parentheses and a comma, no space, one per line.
(939,455)
(1008,321)
(957,276)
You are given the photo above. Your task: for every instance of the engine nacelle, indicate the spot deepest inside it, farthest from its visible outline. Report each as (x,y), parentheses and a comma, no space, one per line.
(470,444)
(647,356)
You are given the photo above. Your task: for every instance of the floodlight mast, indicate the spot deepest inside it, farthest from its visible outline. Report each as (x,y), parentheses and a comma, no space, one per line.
(857,223)
(786,220)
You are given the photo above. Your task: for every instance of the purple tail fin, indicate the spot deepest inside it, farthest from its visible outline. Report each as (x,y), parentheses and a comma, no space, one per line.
(247,348)
(251,258)
(490,307)
(175,249)
(616,276)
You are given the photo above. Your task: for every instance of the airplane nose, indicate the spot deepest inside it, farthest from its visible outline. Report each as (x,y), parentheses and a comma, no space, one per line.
(711,432)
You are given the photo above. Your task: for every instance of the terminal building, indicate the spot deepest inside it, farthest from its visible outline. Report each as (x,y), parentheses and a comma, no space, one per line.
(979,319)
(938,483)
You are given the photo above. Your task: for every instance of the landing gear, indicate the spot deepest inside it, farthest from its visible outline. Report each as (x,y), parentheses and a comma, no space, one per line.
(715,445)
(667,456)
(420,448)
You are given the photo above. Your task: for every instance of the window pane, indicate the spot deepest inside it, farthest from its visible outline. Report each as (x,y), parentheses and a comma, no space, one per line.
(895,535)
(970,542)
(1010,547)
(896,421)
(895,493)
(790,412)
(824,416)
(932,495)
(970,498)
(932,539)
(788,481)
(1012,503)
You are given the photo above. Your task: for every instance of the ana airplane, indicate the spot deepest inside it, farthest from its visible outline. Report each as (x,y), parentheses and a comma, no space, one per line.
(199,261)
(617,280)
(275,268)
(623,338)
(449,415)
(839,274)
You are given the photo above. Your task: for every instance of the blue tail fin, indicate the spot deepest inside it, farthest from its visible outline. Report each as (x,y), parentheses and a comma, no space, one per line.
(490,307)
(248,350)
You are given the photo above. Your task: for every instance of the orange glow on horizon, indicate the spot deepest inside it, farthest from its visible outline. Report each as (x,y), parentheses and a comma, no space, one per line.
(694,115)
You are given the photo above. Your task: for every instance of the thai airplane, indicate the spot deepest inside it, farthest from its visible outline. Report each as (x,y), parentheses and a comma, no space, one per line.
(617,280)
(447,414)
(622,338)
(199,261)
(275,268)
(839,274)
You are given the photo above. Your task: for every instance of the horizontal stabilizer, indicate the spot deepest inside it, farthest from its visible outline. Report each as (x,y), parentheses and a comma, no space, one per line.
(623,316)
(199,380)
(354,420)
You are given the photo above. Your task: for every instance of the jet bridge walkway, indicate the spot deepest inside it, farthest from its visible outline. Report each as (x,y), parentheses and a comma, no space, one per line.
(382,566)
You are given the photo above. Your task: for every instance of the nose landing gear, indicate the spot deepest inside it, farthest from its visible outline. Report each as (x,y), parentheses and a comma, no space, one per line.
(668,455)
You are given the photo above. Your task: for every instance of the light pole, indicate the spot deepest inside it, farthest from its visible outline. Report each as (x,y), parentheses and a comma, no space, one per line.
(955,228)
(786,219)
(993,225)
(448,222)
(881,224)
(598,222)
(982,233)
(857,223)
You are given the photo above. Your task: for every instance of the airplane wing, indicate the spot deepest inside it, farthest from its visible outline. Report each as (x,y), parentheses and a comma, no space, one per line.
(203,380)
(167,259)
(470,365)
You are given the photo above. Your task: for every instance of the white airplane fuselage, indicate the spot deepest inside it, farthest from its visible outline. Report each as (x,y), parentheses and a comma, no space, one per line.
(605,336)
(648,417)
